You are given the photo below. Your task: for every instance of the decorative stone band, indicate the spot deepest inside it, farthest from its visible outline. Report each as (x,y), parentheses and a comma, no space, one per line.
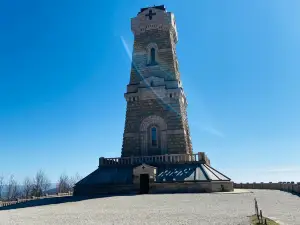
(170,84)
(154,93)
(136,135)
(163,159)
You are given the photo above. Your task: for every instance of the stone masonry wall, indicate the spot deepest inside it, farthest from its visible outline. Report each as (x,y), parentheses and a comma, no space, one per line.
(166,58)
(191,187)
(155,188)
(183,111)
(139,110)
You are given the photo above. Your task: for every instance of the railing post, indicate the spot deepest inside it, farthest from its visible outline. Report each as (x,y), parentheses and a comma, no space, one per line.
(200,156)
(101,161)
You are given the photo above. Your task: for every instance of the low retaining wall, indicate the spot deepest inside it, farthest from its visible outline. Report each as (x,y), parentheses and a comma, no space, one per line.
(8,203)
(283,186)
(191,187)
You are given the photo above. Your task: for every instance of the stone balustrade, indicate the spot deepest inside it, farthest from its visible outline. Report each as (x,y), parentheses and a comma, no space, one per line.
(283,186)
(2,204)
(173,158)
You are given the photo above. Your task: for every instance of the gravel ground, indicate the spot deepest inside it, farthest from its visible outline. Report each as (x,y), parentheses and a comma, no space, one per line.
(173,209)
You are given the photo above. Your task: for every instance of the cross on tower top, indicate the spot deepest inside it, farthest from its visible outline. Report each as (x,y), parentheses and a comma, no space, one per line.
(150,14)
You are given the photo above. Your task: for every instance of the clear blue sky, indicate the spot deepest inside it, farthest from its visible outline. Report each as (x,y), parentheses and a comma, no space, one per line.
(64,70)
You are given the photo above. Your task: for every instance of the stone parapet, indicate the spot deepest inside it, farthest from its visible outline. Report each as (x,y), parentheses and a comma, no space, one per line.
(283,186)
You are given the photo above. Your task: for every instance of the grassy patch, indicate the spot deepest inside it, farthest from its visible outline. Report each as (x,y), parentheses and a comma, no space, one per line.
(254,221)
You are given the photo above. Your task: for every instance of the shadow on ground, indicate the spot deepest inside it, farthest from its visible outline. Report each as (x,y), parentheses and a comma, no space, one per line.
(296,194)
(291,193)
(66,199)
(54,200)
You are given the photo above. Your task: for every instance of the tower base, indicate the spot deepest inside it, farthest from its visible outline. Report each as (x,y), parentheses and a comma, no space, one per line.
(154,174)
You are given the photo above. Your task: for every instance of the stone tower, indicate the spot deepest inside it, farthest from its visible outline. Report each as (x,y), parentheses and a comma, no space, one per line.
(156,119)
(156,123)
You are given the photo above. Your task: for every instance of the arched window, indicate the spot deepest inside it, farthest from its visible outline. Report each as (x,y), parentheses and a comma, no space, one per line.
(152,56)
(154,136)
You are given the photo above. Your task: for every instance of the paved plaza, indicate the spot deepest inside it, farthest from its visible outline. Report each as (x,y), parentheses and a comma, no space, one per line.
(215,208)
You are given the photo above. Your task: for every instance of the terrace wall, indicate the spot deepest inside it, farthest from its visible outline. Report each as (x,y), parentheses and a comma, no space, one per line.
(283,186)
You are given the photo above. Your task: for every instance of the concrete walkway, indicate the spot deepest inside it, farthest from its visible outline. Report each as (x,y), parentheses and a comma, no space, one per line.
(169,209)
